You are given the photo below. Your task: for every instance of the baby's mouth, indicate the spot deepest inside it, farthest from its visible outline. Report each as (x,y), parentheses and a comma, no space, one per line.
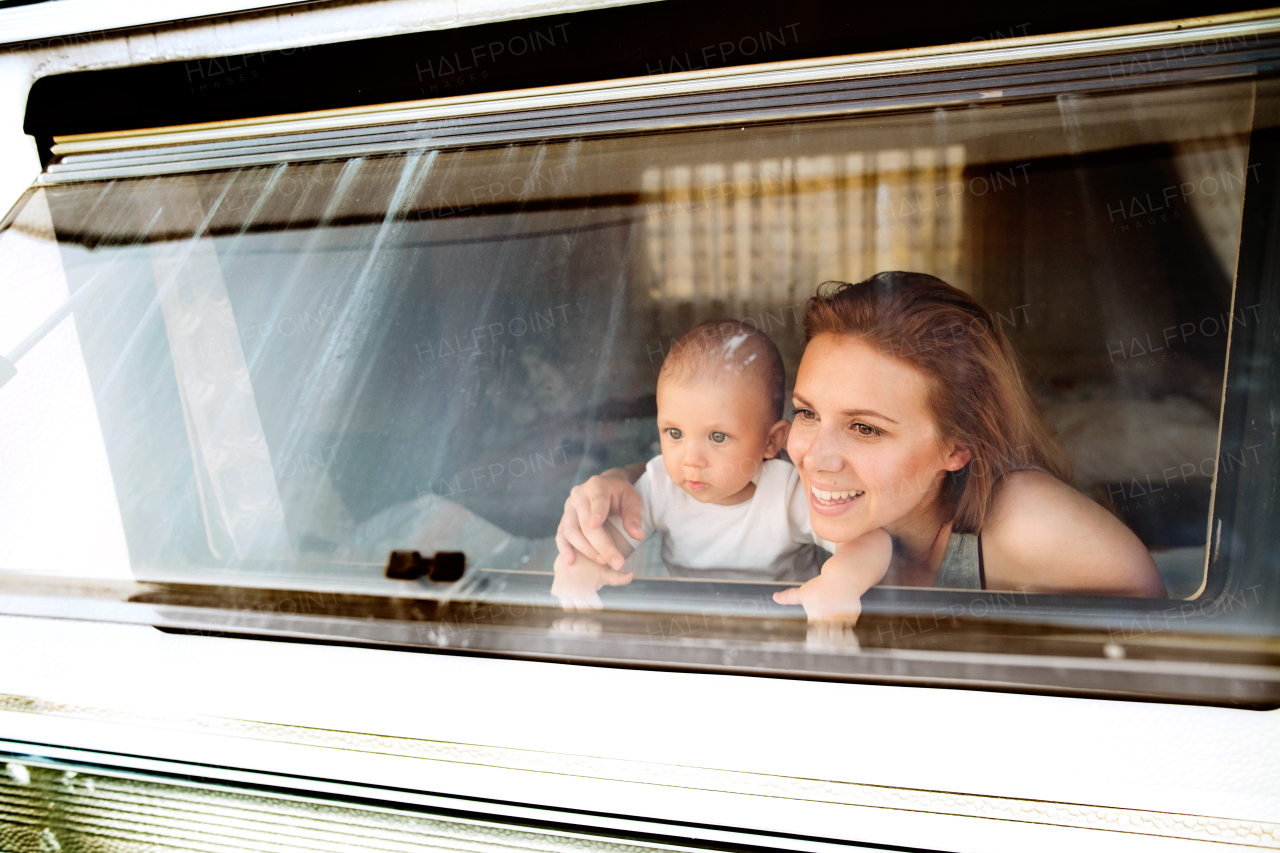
(697,485)
(825,498)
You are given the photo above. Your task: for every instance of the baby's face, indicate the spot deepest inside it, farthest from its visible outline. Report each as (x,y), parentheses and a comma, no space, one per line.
(715,435)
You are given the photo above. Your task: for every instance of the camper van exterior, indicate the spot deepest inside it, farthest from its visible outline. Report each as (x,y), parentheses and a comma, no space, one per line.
(312,314)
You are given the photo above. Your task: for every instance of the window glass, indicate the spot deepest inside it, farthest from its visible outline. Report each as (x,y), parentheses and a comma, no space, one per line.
(277,376)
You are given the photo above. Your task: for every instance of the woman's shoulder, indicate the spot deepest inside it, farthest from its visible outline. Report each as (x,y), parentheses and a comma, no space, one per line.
(1028,507)
(1031,484)
(1031,511)
(1042,534)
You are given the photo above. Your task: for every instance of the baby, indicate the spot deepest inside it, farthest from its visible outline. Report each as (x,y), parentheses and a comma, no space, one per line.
(721,499)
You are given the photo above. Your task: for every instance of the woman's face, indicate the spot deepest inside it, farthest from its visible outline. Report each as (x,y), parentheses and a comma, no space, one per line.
(864,440)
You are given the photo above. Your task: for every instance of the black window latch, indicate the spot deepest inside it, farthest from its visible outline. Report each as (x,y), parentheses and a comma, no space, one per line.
(444,567)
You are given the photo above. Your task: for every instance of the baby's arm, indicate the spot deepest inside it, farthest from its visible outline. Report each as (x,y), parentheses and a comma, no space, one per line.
(577,585)
(865,560)
(836,593)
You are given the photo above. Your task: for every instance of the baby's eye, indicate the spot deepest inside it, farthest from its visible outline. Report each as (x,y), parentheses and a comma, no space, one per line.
(719,437)
(675,434)
(863,429)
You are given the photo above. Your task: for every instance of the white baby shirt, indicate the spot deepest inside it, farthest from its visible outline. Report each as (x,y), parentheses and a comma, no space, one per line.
(766,537)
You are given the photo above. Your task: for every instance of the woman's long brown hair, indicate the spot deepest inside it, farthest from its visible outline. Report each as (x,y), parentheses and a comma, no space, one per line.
(978,393)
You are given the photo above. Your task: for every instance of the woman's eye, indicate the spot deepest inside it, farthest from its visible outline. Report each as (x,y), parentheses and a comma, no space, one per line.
(806,414)
(675,434)
(719,437)
(863,429)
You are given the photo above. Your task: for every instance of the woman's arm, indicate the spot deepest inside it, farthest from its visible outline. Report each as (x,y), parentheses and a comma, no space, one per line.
(589,504)
(1041,535)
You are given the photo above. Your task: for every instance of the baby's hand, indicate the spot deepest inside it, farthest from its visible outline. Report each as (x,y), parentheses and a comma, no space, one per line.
(835,595)
(577,586)
(830,597)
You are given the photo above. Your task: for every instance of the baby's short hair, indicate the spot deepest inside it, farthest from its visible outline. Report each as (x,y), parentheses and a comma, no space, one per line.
(714,347)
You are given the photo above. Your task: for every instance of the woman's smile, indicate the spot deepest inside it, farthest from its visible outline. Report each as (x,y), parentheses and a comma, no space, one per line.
(836,497)
(831,503)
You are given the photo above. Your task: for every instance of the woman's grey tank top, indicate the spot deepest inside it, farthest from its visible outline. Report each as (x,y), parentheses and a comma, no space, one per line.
(962,563)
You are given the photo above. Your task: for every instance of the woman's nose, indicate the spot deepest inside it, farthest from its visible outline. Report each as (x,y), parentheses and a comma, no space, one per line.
(823,452)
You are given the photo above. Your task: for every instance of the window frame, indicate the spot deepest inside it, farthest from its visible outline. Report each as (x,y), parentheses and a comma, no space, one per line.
(1249,676)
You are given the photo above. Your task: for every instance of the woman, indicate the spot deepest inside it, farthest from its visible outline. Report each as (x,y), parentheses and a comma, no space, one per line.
(912,415)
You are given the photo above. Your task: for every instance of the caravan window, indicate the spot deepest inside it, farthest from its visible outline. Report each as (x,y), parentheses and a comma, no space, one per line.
(240,386)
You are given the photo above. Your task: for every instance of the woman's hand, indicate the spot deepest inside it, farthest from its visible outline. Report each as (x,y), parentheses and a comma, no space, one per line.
(835,595)
(577,586)
(581,528)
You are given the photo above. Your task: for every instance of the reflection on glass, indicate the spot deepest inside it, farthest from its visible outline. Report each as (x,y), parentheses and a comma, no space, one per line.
(290,371)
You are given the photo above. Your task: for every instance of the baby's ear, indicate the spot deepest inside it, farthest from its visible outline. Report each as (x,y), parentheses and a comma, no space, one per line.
(777,438)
